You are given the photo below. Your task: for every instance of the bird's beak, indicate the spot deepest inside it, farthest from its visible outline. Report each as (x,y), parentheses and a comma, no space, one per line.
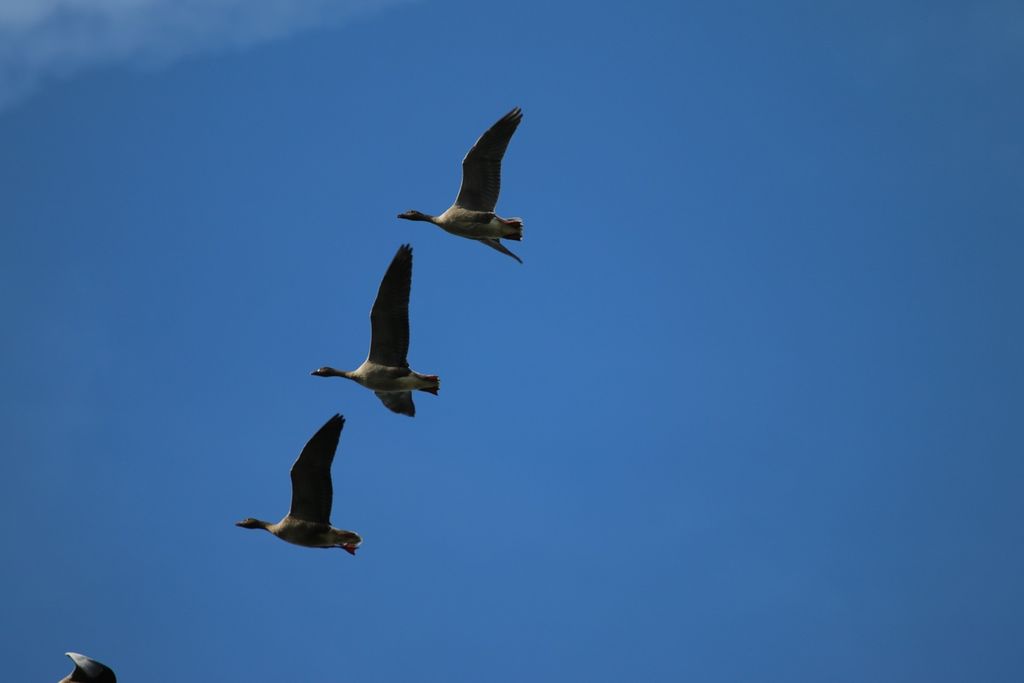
(350,549)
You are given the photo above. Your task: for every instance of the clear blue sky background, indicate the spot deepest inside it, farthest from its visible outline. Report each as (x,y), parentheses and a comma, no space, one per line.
(750,411)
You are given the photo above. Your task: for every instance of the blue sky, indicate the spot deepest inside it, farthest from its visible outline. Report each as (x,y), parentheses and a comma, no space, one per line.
(750,410)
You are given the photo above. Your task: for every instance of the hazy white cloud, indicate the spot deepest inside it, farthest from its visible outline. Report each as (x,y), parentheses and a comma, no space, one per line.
(45,39)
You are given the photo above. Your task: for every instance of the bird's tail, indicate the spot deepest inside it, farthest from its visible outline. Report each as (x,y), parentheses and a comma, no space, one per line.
(435,387)
(513,229)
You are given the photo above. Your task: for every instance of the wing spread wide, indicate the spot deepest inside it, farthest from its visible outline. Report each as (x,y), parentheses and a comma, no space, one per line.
(389,318)
(87,669)
(312,491)
(496,244)
(481,169)
(398,401)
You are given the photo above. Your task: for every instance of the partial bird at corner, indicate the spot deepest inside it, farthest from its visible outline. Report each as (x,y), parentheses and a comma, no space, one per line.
(88,671)
(386,370)
(472,215)
(308,522)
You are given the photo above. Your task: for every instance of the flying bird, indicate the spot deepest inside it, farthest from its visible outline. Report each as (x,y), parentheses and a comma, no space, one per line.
(472,215)
(308,522)
(88,671)
(386,370)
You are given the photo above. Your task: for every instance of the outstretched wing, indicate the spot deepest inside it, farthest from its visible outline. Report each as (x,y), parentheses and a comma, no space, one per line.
(389,318)
(312,491)
(481,169)
(88,669)
(398,401)
(495,244)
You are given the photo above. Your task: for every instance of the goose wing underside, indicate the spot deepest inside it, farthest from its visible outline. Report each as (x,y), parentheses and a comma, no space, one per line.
(389,317)
(496,244)
(398,401)
(312,490)
(481,168)
(88,669)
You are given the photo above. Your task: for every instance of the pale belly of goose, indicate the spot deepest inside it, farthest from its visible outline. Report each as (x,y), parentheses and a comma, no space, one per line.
(473,224)
(412,382)
(494,229)
(383,378)
(301,532)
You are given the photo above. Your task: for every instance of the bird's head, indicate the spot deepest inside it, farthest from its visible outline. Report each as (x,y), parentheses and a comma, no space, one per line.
(414,216)
(328,372)
(251,523)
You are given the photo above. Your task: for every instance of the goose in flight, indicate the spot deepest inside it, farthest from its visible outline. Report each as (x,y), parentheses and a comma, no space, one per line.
(88,671)
(308,522)
(472,215)
(386,370)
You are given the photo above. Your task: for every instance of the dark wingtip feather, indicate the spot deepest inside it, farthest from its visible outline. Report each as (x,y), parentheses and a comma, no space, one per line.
(512,118)
(404,253)
(335,424)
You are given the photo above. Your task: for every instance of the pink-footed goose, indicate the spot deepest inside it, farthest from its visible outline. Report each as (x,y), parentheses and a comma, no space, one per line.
(472,215)
(88,671)
(308,522)
(386,370)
